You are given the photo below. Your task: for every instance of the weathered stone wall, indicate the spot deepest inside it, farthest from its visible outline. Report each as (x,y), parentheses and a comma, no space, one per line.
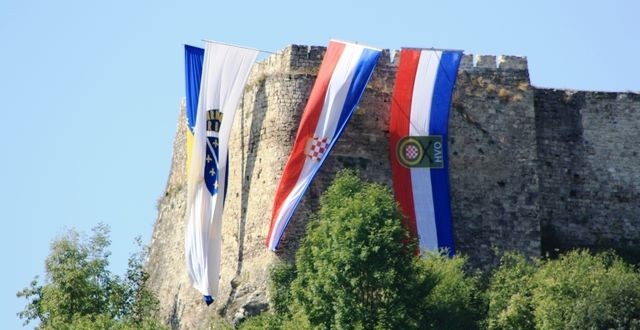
(494,179)
(588,147)
(501,184)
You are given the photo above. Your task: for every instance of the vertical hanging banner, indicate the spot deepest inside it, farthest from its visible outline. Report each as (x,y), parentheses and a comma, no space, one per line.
(343,76)
(418,143)
(224,74)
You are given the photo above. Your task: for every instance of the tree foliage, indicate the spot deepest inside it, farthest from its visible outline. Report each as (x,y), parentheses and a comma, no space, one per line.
(357,269)
(576,291)
(352,269)
(79,291)
(456,300)
(509,294)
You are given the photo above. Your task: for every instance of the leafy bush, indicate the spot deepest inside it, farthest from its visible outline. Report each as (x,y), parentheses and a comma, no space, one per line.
(576,291)
(280,278)
(455,301)
(509,294)
(262,321)
(584,291)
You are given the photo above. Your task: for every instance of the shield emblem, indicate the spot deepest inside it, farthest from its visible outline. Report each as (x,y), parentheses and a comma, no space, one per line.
(214,118)
(421,151)
(316,147)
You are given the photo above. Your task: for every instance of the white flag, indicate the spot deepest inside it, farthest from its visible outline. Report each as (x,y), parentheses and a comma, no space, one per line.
(224,75)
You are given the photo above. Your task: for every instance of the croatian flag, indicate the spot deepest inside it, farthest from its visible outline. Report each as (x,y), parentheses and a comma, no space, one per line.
(343,76)
(224,74)
(418,143)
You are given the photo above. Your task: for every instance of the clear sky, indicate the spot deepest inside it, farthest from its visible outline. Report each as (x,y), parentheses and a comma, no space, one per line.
(90,91)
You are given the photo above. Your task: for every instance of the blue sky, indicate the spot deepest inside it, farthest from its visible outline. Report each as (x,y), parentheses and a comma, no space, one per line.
(90,91)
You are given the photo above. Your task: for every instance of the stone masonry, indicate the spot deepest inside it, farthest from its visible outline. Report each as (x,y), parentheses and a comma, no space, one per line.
(588,150)
(530,169)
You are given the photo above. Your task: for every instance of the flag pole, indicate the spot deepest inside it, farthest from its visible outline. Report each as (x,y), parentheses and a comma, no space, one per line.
(228,44)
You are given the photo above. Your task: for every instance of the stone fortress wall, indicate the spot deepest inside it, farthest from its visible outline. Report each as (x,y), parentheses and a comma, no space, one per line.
(531,170)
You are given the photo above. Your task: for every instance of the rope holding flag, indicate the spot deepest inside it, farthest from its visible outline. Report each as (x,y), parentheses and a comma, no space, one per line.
(224,75)
(418,143)
(344,73)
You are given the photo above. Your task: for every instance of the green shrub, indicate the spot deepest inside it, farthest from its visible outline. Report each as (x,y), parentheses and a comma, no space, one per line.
(584,291)
(509,294)
(576,291)
(265,320)
(280,278)
(455,301)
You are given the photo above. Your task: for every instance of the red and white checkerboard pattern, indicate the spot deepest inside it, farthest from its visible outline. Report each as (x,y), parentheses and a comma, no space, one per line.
(411,152)
(317,148)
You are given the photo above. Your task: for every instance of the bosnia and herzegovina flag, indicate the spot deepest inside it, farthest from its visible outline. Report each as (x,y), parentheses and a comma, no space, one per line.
(343,76)
(225,70)
(418,143)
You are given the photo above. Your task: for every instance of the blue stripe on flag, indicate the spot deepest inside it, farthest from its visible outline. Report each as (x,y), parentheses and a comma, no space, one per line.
(363,72)
(193,59)
(440,104)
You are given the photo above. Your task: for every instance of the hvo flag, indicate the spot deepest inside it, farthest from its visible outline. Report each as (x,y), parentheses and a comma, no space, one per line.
(418,143)
(224,75)
(343,76)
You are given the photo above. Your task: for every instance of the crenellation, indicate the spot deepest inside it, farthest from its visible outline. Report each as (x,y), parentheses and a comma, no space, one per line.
(305,59)
(466,63)
(508,62)
(485,62)
(531,170)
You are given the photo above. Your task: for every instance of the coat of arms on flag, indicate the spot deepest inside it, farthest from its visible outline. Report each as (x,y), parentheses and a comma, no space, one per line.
(317,147)
(214,118)
(421,151)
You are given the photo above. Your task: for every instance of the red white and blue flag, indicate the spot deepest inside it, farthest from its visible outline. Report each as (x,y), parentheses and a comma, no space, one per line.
(343,76)
(418,143)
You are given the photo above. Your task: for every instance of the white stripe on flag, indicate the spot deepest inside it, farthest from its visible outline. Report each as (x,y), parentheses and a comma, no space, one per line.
(421,177)
(337,91)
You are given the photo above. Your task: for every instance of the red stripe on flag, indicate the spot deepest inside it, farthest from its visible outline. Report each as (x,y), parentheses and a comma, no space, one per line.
(306,130)
(399,124)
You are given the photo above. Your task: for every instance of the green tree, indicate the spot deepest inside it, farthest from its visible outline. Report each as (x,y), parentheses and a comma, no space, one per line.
(352,269)
(584,291)
(578,290)
(455,300)
(510,294)
(357,269)
(81,293)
